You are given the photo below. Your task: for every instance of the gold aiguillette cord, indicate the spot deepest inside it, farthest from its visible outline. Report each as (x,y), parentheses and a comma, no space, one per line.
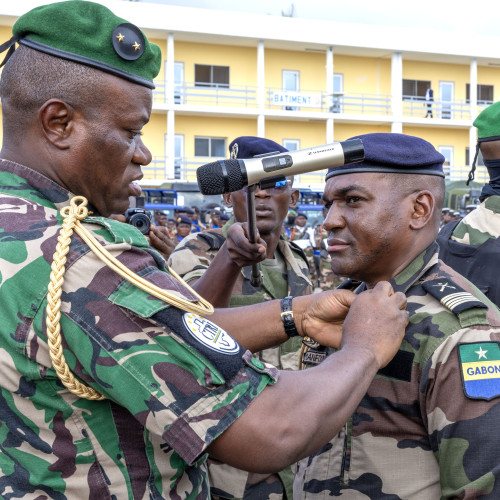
(72,214)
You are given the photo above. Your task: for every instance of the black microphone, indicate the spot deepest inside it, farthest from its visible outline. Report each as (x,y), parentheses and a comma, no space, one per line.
(226,176)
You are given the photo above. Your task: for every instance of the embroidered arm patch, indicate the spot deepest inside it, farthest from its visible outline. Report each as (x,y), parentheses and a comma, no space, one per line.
(480,369)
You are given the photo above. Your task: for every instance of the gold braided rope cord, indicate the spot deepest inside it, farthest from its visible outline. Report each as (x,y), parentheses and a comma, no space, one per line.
(72,214)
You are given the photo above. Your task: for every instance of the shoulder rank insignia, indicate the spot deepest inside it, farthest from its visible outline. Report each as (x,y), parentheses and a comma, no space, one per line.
(452,297)
(480,368)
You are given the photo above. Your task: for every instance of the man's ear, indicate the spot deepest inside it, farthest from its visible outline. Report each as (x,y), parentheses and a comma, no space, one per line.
(294,197)
(423,209)
(57,122)
(227,199)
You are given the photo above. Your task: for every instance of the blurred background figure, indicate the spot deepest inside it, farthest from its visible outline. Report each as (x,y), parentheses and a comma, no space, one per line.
(223,219)
(183,227)
(160,218)
(197,223)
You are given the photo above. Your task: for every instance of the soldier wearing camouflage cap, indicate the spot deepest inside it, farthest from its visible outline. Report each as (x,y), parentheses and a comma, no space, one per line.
(472,245)
(423,429)
(218,260)
(114,384)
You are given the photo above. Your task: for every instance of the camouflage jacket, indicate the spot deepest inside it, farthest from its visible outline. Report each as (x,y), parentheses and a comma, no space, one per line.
(425,428)
(472,247)
(191,259)
(193,255)
(168,394)
(480,224)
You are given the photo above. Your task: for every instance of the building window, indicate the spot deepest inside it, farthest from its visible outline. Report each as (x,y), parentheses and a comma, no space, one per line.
(338,93)
(447,152)
(414,90)
(290,82)
(206,75)
(291,144)
(468,160)
(484,94)
(209,146)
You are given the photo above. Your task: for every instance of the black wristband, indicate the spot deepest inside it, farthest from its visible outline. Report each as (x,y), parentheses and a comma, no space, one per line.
(287,317)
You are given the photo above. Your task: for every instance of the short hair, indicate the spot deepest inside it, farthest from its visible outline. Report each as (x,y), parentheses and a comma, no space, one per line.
(30,78)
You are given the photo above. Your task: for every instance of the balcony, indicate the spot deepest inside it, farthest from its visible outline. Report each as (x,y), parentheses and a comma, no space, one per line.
(244,98)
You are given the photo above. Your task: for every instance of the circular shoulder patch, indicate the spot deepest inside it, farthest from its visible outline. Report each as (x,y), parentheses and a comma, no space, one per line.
(210,335)
(128,41)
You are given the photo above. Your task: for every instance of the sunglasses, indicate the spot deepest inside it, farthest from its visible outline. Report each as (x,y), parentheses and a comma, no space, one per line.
(279,187)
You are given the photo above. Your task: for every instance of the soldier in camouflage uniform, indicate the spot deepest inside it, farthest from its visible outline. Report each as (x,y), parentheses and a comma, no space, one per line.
(472,246)
(423,429)
(165,387)
(303,236)
(285,272)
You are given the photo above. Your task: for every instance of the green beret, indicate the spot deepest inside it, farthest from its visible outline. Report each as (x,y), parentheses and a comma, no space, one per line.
(488,123)
(89,33)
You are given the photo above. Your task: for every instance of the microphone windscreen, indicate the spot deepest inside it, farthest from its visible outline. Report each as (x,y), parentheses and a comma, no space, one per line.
(220,177)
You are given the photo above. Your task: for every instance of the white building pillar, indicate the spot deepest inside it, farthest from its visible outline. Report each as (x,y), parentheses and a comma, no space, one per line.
(169,89)
(169,70)
(473,110)
(170,147)
(397,92)
(261,90)
(329,96)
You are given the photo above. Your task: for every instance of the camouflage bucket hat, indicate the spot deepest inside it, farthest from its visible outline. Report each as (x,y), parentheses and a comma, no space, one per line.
(88,33)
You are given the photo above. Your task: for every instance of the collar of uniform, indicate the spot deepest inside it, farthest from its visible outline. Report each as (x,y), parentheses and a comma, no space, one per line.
(37,187)
(286,251)
(416,269)
(227,225)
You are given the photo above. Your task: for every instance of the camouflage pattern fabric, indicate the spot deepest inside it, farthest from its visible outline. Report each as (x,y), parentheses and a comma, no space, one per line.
(424,428)
(190,260)
(480,224)
(305,233)
(168,396)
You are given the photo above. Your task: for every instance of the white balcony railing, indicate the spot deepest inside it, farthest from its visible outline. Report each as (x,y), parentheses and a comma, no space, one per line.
(307,101)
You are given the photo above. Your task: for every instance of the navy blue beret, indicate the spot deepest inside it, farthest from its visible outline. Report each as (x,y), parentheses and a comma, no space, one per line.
(250,146)
(224,217)
(301,214)
(183,219)
(394,153)
(187,210)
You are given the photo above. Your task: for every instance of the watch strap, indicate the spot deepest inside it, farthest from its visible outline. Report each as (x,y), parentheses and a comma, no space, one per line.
(287,317)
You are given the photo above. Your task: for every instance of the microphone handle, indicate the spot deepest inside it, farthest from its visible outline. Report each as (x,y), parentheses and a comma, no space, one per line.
(256,277)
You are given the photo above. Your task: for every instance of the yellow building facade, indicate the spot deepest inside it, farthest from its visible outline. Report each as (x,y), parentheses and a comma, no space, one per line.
(301,83)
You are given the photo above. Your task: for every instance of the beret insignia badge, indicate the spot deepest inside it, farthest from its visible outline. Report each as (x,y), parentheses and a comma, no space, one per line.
(128,41)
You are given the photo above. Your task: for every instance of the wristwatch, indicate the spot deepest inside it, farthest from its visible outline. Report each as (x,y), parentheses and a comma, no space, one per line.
(287,317)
